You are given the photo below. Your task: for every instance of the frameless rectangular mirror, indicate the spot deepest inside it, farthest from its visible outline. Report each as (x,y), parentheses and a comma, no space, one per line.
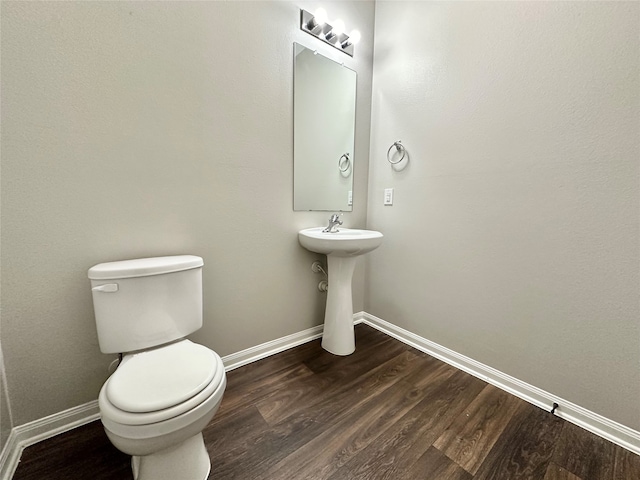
(323,133)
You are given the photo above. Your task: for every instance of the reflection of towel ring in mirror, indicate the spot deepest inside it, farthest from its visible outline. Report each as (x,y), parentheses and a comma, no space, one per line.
(344,163)
(400,148)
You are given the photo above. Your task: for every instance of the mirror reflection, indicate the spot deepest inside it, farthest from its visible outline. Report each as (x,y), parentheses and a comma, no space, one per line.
(323,135)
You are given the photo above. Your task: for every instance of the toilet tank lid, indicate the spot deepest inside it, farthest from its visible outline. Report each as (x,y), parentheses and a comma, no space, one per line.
(142,267)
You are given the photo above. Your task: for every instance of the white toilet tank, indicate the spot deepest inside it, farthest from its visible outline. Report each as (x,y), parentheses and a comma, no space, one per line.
(146,302)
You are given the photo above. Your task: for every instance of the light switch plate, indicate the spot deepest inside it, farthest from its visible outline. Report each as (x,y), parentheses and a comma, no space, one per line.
(388,196)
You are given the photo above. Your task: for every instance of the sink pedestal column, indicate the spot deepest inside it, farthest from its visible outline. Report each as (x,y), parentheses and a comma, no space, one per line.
(338,337)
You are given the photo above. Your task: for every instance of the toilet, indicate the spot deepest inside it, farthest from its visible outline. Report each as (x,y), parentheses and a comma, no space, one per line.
(166,389)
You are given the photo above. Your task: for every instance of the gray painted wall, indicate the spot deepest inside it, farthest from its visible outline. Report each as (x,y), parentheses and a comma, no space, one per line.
(514,234)
(133,129)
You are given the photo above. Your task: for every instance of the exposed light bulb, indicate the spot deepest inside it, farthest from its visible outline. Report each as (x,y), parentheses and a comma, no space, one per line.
(320,16)
(354,37)
(338,27)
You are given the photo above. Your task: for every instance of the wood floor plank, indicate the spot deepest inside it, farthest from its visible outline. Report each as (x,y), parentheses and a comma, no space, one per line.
(401,445)
(472,435)
(554,472)
(525,448)
(84,452)
(244,395)
(287,402)
(346,382)
(435,465)
(626,464)
(234,431)
(351,367)
(336,402)
(368,340)
(584,454)
(429,374)
(254,371)
(266,383)
(261,453)
(326,453)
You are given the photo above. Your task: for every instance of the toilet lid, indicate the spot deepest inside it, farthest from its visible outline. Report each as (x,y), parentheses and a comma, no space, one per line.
(161,378)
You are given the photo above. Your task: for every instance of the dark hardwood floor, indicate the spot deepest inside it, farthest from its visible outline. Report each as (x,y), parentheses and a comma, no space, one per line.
(386,412)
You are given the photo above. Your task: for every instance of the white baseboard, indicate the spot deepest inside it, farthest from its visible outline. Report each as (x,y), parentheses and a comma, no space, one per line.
(41,429)
(38,430)
(265,350)
(593,422)
(10,457)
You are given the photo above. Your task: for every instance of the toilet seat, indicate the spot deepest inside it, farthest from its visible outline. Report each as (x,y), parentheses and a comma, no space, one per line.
(161,378)
(160,384)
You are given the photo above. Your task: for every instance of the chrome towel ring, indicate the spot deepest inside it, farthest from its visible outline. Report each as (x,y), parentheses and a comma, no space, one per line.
(400,148)
(345,162)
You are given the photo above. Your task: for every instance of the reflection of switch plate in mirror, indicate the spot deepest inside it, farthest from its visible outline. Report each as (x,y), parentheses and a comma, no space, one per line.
(388,196)
(350,198)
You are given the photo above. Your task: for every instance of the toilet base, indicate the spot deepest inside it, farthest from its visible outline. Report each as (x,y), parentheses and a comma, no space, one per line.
(188,460)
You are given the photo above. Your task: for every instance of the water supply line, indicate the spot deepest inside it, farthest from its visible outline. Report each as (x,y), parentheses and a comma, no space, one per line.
(316,267)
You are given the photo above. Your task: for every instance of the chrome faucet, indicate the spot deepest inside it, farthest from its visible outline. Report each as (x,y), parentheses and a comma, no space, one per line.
(333,221)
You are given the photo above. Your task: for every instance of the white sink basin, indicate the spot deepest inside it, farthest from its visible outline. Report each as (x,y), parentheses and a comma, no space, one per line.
(342,249)
(347,242)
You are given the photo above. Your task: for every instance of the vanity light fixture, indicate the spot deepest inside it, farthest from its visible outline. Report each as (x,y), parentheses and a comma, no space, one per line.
(316,25)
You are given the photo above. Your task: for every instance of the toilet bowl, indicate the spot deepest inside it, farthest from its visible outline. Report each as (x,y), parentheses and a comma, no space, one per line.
(151,411)
(166,388)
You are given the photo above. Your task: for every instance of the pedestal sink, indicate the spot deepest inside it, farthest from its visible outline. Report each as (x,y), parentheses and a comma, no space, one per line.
(342,249)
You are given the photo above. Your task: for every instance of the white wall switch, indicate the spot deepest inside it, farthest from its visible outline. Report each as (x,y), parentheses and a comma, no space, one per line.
(350,198)
(388,196)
